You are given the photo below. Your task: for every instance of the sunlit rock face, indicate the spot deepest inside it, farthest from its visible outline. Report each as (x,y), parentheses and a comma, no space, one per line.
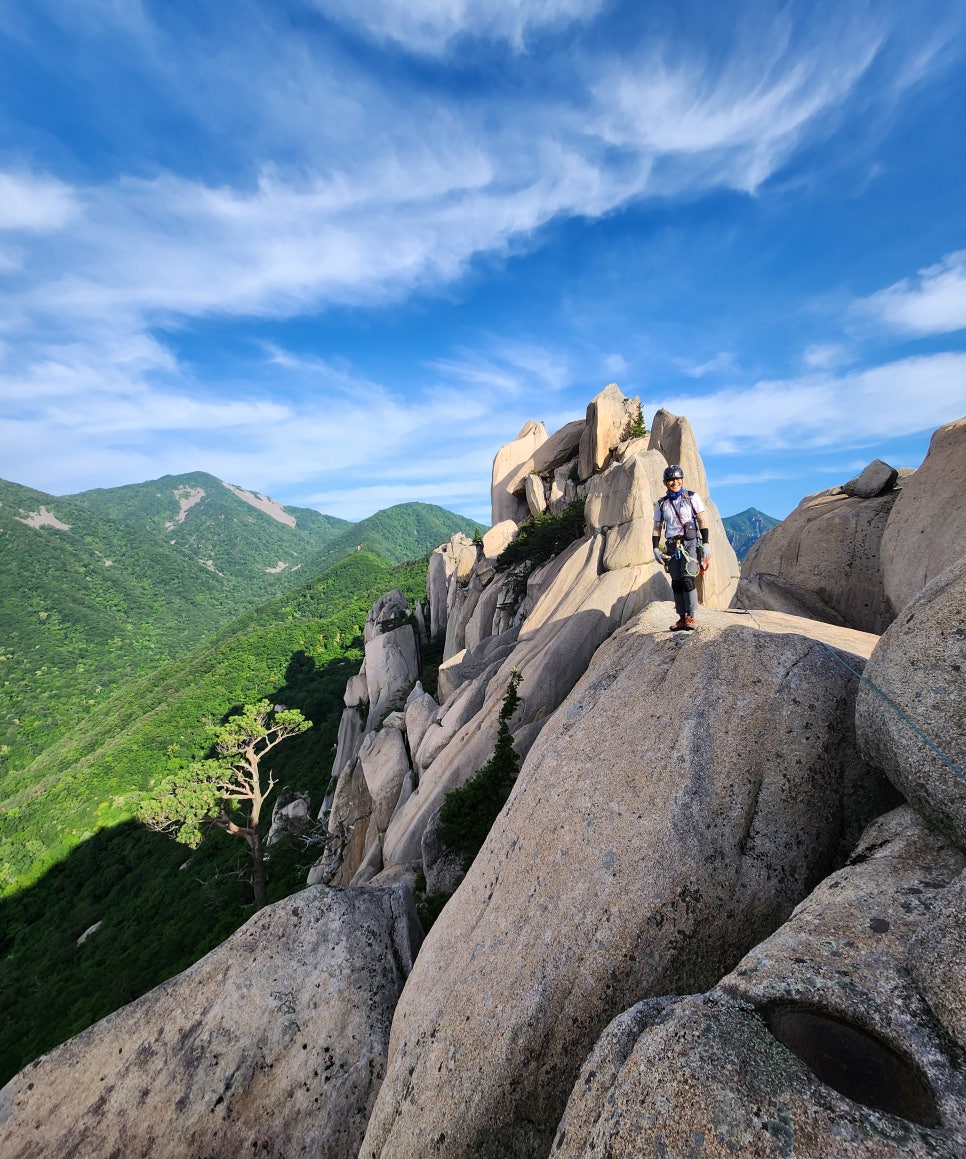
(510,469)
(926,532)
(273,1044)
(823,561)
(857,554)
(911,716)
(831,1038)
(684,797)
(608,416)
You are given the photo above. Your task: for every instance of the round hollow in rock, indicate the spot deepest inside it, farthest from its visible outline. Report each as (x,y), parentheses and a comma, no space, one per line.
(855,1063)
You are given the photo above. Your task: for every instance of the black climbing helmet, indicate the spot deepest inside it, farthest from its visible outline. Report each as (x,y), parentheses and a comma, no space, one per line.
(673,472)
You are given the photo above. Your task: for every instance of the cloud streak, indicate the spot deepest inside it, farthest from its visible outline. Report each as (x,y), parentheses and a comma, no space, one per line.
(825,410)
(430,26)
(934,302)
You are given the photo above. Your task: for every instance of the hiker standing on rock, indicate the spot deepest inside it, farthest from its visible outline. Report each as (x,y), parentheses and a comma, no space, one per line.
(680,514)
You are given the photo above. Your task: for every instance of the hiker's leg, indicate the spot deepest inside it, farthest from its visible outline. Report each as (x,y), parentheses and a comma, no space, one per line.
(679,582)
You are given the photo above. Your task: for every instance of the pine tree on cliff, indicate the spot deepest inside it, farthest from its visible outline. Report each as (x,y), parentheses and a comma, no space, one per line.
(228,790)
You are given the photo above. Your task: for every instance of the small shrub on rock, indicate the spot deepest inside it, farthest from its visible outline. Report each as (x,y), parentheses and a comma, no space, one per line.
(468,812)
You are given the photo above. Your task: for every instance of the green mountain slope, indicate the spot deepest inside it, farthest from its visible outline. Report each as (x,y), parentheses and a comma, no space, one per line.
(746,528)
(85,602)
(405,531)
(123,641)
(90,778)
(254,543)
(70,855)
(100,587)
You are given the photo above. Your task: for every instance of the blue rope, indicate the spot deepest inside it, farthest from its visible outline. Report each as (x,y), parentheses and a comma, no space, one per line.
(951,764)
(892,704)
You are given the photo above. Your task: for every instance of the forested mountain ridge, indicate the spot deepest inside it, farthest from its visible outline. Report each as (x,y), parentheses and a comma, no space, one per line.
(85,602)
(248,538)
(404,531)
(100,587)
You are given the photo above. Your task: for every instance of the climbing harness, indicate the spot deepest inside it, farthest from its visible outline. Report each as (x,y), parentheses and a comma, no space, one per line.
(692,563)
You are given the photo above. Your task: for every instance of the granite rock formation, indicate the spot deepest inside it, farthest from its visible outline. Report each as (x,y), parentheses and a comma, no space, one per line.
(719,776)
(917,690)
(830,1038)
(927,528)
(857,554)
(273,1044)
(664,947)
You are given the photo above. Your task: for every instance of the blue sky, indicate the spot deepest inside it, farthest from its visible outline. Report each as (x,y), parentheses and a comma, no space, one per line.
(339,252)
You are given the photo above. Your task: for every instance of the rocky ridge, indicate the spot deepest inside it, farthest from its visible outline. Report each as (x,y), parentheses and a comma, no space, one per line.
(677,939)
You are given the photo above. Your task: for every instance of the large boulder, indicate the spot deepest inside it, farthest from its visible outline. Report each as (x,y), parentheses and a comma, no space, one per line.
(393,666)
(273,1044)
(421,710)
(560,448)
(511,465)
(348,826)
(535,494)
(684,797)
(385,763)
(926,532)
(826,1039)
(620,503)
(911,713)
(442,564)
(608,414)
(351,732)
(823,560)
(497,538)
(875,479)
(673,437)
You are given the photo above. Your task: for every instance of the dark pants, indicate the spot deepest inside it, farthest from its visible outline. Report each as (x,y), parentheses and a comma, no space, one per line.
(684,558)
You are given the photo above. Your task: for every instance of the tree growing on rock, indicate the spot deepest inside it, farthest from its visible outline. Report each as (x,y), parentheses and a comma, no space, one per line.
(636,426)
(469,811)
(228,790)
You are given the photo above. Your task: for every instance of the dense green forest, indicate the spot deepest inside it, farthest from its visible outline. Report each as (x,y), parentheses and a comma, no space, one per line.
(72,856)
(121,653)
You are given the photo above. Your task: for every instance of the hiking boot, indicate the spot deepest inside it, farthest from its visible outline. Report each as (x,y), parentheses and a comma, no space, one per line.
(681,625)
(689,623)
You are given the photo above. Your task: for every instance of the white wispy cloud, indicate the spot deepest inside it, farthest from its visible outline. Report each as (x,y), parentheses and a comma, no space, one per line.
(826,410)
(36,203)
(933,302)
(429,26)
(440,181)
(512,367)
(345,186)
(721,361)
(827,356)
(733,125)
